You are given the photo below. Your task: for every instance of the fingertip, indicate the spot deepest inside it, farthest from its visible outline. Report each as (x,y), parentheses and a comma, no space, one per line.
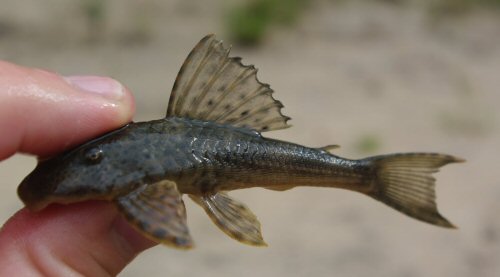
(43,113)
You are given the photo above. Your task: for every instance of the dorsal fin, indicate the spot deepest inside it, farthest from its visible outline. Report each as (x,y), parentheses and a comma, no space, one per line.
(213,86)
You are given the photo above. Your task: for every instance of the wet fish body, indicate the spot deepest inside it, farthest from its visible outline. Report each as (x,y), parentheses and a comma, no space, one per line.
(206,157)
(209,143)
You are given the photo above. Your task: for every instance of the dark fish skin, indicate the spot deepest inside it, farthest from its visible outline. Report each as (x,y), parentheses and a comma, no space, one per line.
(200,156)
(210,143)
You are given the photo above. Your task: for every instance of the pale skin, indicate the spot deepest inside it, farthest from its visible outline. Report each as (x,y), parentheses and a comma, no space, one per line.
(43,113)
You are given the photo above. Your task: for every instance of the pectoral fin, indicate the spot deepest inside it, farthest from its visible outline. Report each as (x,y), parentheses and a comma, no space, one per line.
(232,217)
(158,212)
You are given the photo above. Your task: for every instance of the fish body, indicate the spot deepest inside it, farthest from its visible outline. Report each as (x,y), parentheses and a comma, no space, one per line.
(210,143)
(201,157)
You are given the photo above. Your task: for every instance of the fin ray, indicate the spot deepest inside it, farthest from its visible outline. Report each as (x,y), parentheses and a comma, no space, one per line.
(213,86)
(210,84)
(157,211)
(232,217)
(404,182)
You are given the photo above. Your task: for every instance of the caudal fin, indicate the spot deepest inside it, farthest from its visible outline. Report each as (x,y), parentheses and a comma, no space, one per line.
(405,182)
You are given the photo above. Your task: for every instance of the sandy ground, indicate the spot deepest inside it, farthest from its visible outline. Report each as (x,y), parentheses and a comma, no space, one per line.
(348,72)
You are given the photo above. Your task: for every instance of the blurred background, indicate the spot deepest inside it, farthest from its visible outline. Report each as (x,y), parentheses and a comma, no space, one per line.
(373,76)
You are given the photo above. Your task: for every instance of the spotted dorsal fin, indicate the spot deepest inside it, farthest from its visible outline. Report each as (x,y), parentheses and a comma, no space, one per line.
(232,217)
(213,86)
(158,212)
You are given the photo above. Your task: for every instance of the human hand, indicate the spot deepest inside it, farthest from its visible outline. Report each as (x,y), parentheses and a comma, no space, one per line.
(42,113)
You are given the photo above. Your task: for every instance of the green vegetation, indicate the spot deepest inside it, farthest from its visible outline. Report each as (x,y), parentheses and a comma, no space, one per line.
(453,7)
(95,15)
(249,23)
(368,143)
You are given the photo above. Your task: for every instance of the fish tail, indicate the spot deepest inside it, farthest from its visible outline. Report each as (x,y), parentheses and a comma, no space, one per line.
(405,183)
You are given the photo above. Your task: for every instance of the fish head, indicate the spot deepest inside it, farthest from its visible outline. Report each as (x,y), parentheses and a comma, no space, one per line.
(100,170)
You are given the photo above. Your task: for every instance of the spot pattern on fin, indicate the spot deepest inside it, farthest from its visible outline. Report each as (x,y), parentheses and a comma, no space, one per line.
(157,211)
(232,217)
(213,86)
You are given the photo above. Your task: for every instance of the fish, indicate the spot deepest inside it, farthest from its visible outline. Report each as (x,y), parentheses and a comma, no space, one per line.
(209,143)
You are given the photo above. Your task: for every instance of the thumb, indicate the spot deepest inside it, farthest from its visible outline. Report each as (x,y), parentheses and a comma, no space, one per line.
(42,113)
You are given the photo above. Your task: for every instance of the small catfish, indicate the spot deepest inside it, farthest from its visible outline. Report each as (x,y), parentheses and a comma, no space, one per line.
(209,143)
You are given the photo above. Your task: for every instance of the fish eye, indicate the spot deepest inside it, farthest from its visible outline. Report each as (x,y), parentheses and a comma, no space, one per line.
(94,156)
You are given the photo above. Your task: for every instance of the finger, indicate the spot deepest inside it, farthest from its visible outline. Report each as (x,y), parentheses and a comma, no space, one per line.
(84,239)
(43,113)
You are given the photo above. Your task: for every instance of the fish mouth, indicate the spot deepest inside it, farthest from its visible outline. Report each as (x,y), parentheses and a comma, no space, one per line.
(34,194)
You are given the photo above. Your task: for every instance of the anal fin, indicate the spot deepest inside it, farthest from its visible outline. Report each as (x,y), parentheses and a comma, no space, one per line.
(158,212)
(232,217)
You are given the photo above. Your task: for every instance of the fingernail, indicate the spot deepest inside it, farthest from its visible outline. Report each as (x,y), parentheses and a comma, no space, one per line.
(104,86)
